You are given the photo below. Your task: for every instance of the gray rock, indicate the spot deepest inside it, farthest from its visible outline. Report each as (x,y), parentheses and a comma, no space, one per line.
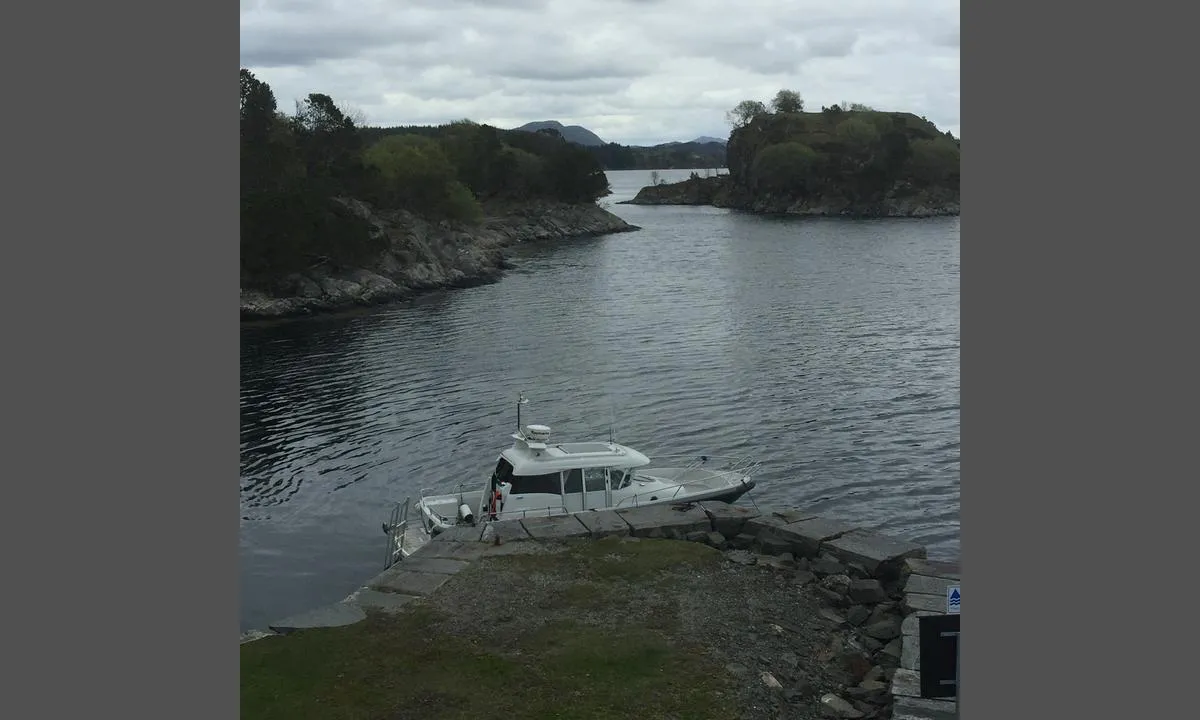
(926,585)
(737,669)
(741,557)
(729,520)
(697,536)
(858,615)
(716,540)
(867,690)
(836,599)
(883,630)
(875,674)
(857,571)
(881,612)
(808,535)
(804,577)
(832,616)
(893,650)
(867,592)
(555,527)
(669,520)
(880,555)
(872,644)
(827,565)
(856,664)
(335,615)
(743,541)
(836,707)
(910,653)
(837,583)
(933,568)
(790,659)
(603,523)
(782,561)
(914,708)
(770,545)
(928,603)
(906,683)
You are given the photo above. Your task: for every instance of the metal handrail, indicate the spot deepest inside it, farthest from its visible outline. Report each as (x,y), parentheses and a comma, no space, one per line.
(397,527)
(735,463)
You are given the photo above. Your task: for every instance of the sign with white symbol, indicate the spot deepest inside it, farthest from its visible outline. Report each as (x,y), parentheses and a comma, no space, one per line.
(953,599)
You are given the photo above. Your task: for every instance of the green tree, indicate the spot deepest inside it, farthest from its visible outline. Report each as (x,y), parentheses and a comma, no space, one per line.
(934,161)
(416,175)
(787,101)
(857,133)
(745,112)
(785,167)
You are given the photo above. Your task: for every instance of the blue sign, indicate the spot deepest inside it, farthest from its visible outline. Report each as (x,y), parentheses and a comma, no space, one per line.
(953,599)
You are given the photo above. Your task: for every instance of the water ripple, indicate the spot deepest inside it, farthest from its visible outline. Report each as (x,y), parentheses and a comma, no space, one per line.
(827,349)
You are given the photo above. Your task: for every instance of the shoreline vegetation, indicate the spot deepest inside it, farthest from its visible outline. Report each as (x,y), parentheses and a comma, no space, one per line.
(333,217)
(845,160)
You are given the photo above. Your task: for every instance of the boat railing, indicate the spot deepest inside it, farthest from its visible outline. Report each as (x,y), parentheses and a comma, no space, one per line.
(658,494)
(397,533)
(461,488)
(740,464)
(549,510)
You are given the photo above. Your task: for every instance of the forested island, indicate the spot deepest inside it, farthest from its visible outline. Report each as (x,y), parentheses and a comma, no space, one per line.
(332,216)
(841,161)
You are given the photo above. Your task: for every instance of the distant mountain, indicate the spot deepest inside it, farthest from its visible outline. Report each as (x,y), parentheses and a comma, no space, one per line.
(701,153)
(571,133)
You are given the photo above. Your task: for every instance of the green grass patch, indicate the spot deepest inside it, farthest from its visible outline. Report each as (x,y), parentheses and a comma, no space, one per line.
(422,665)
(411,666)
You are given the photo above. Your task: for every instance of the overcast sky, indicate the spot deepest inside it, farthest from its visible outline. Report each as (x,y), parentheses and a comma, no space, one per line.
(637,72)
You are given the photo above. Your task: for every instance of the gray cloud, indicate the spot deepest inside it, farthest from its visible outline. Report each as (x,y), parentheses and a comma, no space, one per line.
(634,71)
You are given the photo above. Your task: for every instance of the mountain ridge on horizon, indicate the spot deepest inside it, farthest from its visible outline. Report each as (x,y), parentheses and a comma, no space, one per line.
(581,135)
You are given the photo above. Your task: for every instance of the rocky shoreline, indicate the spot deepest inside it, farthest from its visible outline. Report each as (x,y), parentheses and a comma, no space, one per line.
(901,202)
(810,617)
(424,256)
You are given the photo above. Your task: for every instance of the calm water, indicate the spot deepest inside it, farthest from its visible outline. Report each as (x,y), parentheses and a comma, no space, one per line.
(829,349)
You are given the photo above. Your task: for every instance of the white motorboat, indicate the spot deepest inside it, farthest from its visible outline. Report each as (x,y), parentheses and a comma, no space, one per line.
(536,477)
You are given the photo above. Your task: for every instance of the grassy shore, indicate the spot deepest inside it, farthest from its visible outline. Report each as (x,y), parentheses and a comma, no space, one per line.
(595,630)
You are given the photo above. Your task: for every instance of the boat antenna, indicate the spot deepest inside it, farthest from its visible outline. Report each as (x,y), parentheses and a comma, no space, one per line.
(520,401)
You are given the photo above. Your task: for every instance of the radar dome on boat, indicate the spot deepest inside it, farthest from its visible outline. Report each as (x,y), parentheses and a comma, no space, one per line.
(537,433)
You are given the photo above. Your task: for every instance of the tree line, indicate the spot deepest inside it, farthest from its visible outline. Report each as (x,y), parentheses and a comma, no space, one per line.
(294,165)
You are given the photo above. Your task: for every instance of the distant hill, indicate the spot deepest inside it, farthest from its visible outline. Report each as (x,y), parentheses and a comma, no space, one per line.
(702,153)
(571,133)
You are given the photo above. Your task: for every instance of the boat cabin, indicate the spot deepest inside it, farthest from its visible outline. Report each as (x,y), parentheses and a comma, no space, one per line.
(535,475)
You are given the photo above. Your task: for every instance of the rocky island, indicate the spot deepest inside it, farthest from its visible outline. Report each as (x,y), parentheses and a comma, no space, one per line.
(334,217)
(836,162)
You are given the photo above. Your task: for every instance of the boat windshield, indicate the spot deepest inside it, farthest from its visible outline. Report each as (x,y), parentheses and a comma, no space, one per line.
(549,484)
(619,478)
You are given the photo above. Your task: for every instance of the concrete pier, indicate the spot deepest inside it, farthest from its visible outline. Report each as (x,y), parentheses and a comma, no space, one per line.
(874,586)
